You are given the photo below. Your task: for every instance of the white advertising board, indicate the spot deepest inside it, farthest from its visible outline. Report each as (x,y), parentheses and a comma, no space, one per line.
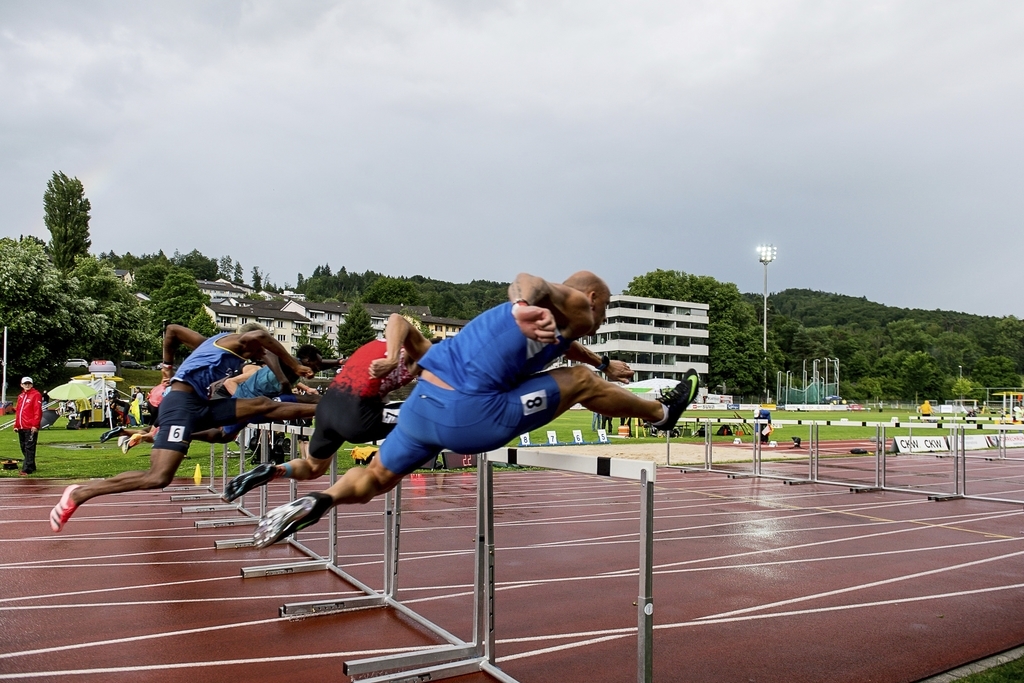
(921,444)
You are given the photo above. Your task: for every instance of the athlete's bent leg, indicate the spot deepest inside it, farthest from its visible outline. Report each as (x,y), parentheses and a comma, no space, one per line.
(164,464)
(272,410)
(579,384)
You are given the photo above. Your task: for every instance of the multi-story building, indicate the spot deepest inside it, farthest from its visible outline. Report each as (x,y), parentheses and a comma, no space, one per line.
(443,328)
(218,290)
(287,319)
(657,337)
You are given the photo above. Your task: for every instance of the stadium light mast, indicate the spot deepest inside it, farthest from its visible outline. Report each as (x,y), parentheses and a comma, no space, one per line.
(766,252)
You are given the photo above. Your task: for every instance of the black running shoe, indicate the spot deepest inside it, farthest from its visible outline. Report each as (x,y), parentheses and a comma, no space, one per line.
(677,399)
(246,481)
(110,434)
(286,520)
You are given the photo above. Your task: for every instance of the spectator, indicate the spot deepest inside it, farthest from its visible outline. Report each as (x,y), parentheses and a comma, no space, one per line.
(28,415)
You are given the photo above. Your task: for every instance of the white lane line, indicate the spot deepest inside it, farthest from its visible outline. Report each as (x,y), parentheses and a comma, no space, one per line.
(916,525)
(133,603)
(111,589)
(864,586)
(86,558)
(198,665)
(625,632)
(137,639)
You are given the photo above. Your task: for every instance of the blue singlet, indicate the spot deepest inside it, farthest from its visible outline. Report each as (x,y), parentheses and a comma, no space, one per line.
(207,364)
(499,393)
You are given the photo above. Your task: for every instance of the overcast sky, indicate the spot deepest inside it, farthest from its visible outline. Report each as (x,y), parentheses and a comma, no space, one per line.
(877,145)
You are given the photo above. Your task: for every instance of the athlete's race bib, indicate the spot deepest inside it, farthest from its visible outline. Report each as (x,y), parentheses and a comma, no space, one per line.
(534,402)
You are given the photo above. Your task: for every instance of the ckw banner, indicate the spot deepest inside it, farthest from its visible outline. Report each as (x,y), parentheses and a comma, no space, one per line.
(920,444)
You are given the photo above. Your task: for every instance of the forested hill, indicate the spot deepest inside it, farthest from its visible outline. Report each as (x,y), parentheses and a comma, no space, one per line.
(821,309)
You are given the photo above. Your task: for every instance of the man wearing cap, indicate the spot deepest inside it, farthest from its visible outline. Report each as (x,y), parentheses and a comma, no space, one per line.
(28,414)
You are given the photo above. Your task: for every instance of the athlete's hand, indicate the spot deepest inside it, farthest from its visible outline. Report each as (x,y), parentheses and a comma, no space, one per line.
(382,367)
(304,371)
(166,373)
(619,371)
(536,322)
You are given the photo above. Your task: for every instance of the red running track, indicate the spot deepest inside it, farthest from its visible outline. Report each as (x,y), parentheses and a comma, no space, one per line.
(754,581)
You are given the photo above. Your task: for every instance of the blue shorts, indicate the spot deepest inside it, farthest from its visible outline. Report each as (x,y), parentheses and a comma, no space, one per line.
(433,419)
(183,412)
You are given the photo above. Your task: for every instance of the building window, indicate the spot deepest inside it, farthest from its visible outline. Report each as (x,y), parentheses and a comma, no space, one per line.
(280,323)
(281,337)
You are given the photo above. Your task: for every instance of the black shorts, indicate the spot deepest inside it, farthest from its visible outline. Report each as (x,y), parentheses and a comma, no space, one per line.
(183,412)
(341,417)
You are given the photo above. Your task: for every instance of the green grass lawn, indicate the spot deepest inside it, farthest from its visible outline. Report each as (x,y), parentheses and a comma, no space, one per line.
(1011,672)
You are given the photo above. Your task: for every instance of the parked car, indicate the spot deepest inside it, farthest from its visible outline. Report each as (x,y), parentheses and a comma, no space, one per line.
(77,363)
(130,365)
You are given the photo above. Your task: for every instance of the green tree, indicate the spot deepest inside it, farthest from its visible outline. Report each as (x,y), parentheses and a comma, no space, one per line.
(150,277)
(257,278)
(1009,340)
(322,343)
(995,371)
(179,300)
(126,327)
(355,331)
(202,323)
(202,267)
(920,375)
(66,215)
(43,311)
(391,290)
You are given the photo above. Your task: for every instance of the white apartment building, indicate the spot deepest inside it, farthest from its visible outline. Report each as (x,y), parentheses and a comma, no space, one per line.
(657,337)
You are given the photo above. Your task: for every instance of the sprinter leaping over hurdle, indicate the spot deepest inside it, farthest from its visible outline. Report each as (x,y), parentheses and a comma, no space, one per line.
(483,387)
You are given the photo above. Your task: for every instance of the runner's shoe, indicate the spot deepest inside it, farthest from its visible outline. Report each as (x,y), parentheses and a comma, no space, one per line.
(110,434)
(131,442)
(247,481)
(677,399)
(121,441)
(62,511)
(289,518)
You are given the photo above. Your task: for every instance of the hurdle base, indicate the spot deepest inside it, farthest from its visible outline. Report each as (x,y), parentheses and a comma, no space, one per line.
(796,482)
(279,569)
(292,609)
(942,499)
(229,543)
(169,489)
(438,663)
(231,521)
(208,508)
(196,496)
(864,489)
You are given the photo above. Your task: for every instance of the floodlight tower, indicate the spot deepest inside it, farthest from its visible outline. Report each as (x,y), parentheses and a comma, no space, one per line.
(767,255)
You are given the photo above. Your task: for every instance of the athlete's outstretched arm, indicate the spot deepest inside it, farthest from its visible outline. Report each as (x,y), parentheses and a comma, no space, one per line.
(264,339)
(617,370)
(399,334)
(175,334)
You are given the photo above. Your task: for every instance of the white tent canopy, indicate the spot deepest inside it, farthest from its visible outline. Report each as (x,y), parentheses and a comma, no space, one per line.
(656,384)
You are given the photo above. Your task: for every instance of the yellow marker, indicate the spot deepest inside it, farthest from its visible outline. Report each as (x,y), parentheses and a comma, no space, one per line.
(198,477)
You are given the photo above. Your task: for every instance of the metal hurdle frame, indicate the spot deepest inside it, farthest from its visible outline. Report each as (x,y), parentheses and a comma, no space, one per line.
(957,432)
(458,657)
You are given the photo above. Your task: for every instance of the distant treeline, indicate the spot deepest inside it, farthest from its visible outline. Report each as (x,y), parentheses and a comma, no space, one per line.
(884,352)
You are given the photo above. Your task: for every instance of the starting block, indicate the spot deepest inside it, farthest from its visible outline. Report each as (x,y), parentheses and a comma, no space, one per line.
(362,455)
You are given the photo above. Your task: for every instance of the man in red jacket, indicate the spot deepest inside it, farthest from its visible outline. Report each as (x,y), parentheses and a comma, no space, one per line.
(28,414)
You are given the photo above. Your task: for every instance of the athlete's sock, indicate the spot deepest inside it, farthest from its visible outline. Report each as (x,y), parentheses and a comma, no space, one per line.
(285,470)
(664,416)
(323,503)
